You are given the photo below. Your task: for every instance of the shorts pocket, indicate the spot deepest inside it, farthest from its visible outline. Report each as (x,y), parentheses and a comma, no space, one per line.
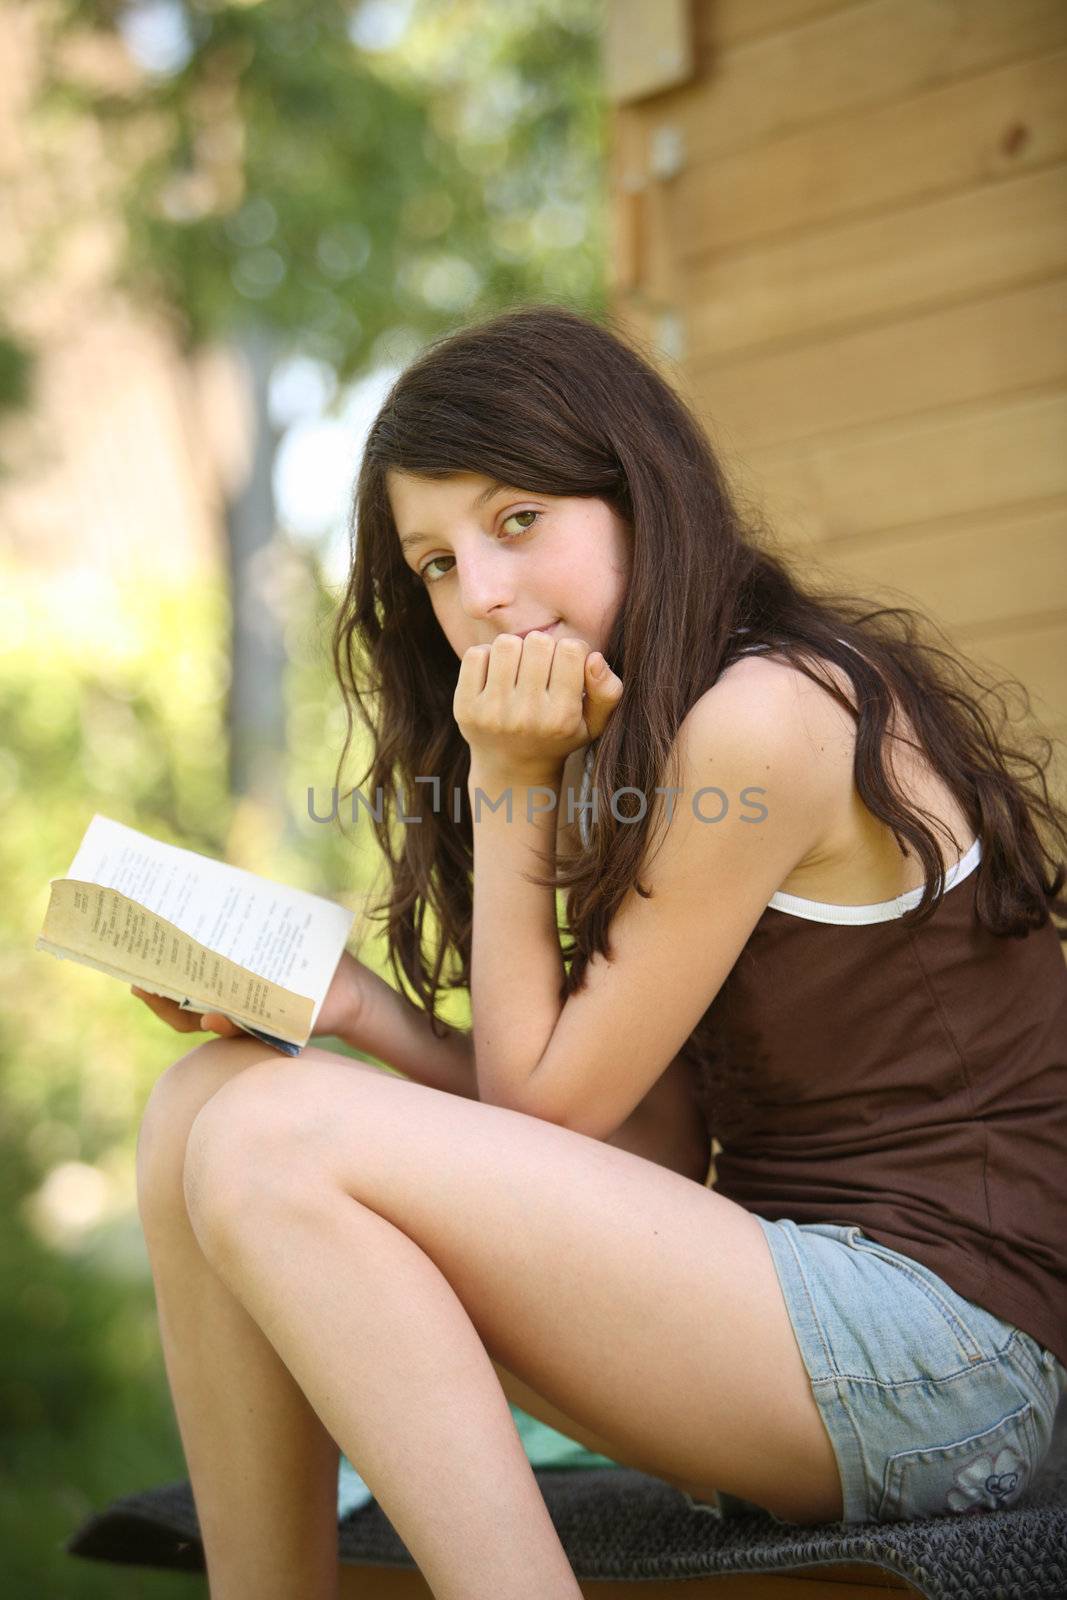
(983,1472)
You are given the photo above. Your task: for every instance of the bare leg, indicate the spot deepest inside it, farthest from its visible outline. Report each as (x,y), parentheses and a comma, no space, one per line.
(262,1466)
(381,1343)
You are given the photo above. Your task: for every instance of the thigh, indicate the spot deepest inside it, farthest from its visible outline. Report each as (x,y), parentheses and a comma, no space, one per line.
(643,1307)
(662,1129)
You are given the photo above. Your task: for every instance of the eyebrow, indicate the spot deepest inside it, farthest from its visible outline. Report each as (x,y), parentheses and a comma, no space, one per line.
(411,540)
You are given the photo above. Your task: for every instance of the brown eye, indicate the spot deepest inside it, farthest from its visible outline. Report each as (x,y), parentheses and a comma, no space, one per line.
(432,563)
(514,514)
(428,577)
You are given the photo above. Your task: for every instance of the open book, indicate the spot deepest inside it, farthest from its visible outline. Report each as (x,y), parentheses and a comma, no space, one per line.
(211,936)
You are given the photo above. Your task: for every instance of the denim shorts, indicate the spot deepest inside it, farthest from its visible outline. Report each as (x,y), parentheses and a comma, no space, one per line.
(932,1404)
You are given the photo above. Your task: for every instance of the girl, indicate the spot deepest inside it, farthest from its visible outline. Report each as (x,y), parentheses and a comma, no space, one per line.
(807,911)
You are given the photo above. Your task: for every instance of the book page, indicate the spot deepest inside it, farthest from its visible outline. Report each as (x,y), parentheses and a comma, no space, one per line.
(106,930)
(287,936)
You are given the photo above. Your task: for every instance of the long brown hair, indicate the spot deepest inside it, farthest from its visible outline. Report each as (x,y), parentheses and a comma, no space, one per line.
(553,402)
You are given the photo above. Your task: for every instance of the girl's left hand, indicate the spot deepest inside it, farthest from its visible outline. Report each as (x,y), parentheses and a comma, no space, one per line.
(524,704)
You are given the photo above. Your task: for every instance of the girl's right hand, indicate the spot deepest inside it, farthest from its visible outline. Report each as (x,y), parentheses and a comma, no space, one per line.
(187,1021)
(338,1014)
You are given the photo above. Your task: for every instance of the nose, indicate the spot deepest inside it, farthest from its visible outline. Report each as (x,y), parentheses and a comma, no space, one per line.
(486,581)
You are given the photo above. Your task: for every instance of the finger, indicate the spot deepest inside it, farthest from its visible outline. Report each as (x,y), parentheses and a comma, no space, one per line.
(544,670)
(154,1002)
(505,667)
(599,677)
(604,691)
(473,667)
(568,668)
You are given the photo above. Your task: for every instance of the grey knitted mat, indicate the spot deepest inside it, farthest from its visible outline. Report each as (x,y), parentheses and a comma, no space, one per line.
(617,1523)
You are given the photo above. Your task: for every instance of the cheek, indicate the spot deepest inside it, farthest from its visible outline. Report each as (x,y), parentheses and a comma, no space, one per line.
(452,628)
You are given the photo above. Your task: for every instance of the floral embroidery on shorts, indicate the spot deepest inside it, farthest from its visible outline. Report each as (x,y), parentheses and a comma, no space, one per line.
(988,1481)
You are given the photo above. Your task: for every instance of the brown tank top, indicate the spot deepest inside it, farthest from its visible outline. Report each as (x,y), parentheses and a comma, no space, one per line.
(911,1081)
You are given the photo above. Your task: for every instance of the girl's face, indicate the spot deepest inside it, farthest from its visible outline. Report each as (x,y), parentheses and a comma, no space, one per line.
(495,559)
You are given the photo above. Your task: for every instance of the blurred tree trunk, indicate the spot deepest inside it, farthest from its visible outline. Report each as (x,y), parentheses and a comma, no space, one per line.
(256,711)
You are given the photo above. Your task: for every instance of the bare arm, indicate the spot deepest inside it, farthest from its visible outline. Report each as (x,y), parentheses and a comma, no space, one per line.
(667,1126)
(384,1023)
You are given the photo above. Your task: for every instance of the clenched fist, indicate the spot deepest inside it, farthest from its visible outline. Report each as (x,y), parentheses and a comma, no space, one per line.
(523,704)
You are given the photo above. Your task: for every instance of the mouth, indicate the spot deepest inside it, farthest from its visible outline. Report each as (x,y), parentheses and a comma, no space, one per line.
(544,627)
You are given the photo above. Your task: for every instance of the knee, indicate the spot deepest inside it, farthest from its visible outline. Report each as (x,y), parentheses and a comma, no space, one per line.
(238,1149)
(177,1098)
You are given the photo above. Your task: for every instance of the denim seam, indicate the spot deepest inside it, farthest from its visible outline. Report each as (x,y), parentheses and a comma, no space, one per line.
(842,1403)
(816,1320)
(861,1453)
(1018,1348)
(1038,1397)
(968,1371)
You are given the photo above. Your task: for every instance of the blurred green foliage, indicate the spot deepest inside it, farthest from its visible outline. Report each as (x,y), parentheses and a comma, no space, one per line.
(279,171)
(16,371)
(357,201)
(109,701)
(112,700)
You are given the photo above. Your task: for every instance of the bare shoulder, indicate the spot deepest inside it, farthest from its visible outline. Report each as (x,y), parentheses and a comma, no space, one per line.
(764,705)
(768,693)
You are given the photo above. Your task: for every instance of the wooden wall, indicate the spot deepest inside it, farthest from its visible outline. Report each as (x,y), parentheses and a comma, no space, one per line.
(843,225)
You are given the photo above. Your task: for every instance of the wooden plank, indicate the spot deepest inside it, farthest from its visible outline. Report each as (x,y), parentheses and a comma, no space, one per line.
(941,139)
(966,573)
(1033,652)
(624,262)
(951,249)
(1056,770)
(948,357)
(754,1586)
(858,57)
(811,1583)
(646,49)
(967,462)
(729,22)
(856,1573)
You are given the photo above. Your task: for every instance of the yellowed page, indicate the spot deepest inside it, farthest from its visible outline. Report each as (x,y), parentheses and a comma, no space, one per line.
(103,928)
(287,937)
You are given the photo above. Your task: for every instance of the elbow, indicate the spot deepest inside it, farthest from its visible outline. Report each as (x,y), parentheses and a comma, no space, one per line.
(542,1096)
(536,1106)
(592,1126)
(576,1119)
(512,1098)
(515,1089)
(532,1100)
